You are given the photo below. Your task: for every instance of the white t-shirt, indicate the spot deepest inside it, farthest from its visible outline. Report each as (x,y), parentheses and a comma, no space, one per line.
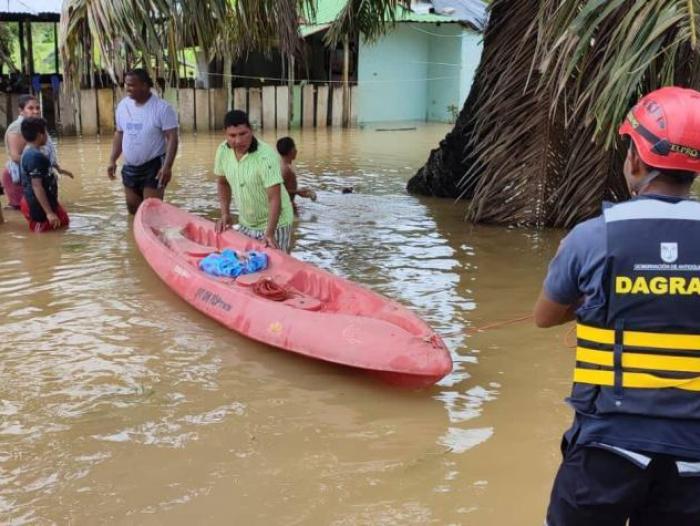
(143,128)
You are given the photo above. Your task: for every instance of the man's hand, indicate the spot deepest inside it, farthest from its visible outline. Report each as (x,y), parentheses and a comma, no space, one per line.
(53,220)
(270,241)
(164,176)
(111,171)
(223,223)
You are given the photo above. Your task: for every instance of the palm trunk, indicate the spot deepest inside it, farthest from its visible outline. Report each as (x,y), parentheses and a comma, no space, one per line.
(518,161)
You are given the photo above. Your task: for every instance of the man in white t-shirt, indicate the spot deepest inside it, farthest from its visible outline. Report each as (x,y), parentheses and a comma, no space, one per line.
(147,135)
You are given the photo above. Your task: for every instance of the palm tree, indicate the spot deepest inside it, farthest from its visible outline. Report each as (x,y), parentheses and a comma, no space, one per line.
(535,143)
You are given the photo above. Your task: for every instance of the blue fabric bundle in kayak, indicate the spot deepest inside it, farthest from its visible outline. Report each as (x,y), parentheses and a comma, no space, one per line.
(229,265)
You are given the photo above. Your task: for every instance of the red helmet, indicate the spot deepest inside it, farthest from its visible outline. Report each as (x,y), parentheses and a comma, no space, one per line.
(665,128)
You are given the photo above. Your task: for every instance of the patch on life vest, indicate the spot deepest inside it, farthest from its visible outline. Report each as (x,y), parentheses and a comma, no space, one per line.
(669,252)
(658,285)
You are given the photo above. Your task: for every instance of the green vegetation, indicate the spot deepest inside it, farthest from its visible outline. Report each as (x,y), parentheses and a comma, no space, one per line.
(42,43)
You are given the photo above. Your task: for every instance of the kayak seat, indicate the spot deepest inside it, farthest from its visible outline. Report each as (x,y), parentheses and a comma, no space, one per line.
(248,280)
(303,303)
(179,243)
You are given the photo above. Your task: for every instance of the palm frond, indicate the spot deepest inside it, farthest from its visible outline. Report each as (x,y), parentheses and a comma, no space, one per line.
(6,47)
(607,53)
(154,32)
(557,77)
(370,18)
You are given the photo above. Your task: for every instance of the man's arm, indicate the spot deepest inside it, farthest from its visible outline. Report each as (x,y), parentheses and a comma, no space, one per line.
(166,171)
(290,180)
(116,152)
(274,203)
(224,192)
(561,295)
(549,313)
(40,195)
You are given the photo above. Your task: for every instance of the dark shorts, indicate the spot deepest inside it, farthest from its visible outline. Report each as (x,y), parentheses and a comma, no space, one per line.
(143,175)
(595,486)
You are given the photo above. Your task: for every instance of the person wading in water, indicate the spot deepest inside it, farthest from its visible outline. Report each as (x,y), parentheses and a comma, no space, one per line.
(146,135)
(631,280)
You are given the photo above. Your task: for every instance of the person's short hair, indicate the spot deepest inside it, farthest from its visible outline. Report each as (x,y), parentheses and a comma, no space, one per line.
(285,145)
(141,74)
(31,128)
(236,118)
(681,177)
(24,100)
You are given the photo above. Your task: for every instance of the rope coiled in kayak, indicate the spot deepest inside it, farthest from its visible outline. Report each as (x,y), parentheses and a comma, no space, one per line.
(268,289)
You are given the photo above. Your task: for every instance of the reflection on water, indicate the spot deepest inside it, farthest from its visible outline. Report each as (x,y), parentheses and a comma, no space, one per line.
(120,403)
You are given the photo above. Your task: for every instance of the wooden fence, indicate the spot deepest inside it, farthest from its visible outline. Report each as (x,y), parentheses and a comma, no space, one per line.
(91,112)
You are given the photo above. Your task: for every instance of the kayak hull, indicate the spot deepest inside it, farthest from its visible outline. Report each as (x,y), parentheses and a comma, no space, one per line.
(322,316)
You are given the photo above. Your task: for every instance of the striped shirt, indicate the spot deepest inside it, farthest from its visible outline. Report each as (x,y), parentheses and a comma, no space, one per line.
(249,179)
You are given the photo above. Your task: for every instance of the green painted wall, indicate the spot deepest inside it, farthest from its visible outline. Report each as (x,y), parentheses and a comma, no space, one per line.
(417,72)
(391,77)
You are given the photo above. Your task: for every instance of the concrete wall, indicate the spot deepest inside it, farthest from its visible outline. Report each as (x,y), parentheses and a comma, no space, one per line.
(445,57)
(416,72)
(454,57)
(391,76)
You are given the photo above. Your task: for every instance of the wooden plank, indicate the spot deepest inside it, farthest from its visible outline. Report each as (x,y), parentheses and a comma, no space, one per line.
(88,112)
(321,106)
(255,107)
(105,107)
(202,114)
(217,108)
(5,113)
(337,110)
(268,108)
(308,106)
(354,105)
(186,109)
(170,95)
(296,108)
(240,99)
(282,98)
(14,106)
(67,125)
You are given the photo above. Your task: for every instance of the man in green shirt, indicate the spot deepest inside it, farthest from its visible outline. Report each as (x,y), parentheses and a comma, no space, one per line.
(250,170)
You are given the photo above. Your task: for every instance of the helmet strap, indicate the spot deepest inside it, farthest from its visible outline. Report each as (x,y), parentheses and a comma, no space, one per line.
(642,185)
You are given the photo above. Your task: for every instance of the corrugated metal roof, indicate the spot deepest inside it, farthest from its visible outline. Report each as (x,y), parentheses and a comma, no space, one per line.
(472,12)
(31,7)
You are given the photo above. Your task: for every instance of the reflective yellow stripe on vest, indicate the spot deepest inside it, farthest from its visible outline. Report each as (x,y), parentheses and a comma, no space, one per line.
(638,380)
(654,340)
(633,359)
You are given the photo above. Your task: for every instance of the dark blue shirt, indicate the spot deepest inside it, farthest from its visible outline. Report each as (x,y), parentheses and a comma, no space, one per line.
(36,165)
(578,271)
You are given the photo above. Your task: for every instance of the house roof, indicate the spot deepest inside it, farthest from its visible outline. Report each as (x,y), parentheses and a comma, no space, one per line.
(471,12)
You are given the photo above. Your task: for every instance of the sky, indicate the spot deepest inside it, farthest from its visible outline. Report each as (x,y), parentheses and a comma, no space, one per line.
(30,6)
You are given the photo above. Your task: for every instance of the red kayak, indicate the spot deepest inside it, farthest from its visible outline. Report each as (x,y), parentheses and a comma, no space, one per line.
(291,305)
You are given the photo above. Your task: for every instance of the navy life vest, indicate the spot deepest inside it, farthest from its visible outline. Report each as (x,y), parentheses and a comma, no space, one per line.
(639,354)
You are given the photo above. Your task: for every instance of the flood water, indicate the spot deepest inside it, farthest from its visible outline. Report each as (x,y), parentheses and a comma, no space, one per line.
(121,404)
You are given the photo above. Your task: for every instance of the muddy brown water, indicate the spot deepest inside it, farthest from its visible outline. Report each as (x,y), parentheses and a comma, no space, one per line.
(121,404)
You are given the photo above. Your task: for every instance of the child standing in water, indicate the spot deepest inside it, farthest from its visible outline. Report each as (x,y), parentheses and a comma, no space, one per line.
(39,203)
(14,146)
(288,152)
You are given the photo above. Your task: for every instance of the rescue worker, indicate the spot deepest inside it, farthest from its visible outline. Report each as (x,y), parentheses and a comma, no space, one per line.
(631,279)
